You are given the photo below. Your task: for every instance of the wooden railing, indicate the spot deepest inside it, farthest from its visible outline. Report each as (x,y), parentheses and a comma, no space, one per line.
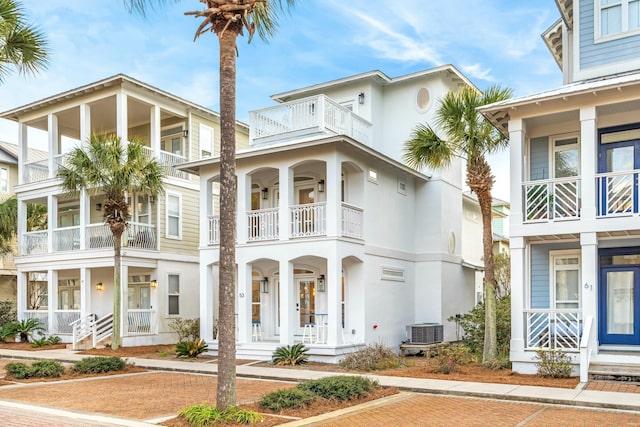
(66,239)
(35,242)
(41,315)
(263,224)
(169,161)
(64,320)
(214,230)
(352,221)
(553,329)
(617,193)
(89,326)
(140,236)
(36,171)
(141,321)
(551,199)
(308,220)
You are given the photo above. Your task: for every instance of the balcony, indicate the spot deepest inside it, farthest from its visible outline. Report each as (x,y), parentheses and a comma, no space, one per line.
(316,115)
(169,161)
(617,193)
(551,199)
(263,225)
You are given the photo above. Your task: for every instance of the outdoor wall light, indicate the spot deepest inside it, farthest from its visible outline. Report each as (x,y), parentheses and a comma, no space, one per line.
(98,206)
(152,199)
(264,285)
(154,283)
(321,283)
(185,133)
(265,193)
(361,98)
(321,186)
(99,286)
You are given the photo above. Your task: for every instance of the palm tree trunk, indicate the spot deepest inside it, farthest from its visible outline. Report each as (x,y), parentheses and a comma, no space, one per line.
(226,392)
(117,294)
(480,181)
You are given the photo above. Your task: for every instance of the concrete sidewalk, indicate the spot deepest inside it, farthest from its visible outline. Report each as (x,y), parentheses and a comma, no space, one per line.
(510,392)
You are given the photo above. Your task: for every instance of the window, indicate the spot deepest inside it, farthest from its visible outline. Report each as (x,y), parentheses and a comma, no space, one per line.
(206,141)
(565,292)
(422,99)
(617,16)
(143,210)
(255,297)
(174,294)
(69,294)
(373,176)
(4,180)
(566,157)
(174,214)
(171,141)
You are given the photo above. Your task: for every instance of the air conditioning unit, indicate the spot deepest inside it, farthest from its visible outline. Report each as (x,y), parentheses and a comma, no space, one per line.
(425,333)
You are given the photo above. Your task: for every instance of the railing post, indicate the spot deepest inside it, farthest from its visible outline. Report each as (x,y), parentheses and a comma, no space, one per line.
(320,112)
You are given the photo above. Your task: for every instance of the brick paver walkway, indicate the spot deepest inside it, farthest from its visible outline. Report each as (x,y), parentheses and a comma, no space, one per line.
(613,386)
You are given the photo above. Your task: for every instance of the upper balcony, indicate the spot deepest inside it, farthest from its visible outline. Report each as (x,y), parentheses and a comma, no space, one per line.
(312,116)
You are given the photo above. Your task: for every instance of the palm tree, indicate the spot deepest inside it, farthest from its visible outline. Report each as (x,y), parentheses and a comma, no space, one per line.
(36,220)
(107,166)
(21,45)
(228,19)
(468,135)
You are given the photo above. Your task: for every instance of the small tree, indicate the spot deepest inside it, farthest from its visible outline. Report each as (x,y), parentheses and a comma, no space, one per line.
(502,269)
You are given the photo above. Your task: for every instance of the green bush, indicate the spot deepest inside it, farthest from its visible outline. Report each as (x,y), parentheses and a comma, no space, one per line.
(291,355)
(186,328)
(448,357)
(203,415)
(25,328)
(191,349)
(295,398)
(18,370)
(54,339)
(7,331)
(39,342)
(472,325)
(340,387)
(47,369)
(553,364)
(371,358)
(7,312)
(98,364)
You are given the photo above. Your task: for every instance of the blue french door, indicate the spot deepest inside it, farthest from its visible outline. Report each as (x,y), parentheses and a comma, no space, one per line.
(619,191)
(620,305)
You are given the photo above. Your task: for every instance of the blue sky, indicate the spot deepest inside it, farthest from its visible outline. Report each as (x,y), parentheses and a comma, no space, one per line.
(491,41)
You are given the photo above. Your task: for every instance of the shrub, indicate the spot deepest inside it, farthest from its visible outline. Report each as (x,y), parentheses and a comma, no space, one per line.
(25,328)
(18,370)
(448,357)
(7,312)
(291,355)
(98,364)
(203,415)
(295,398)
(340,387)
(191,349)
(39,342)
(47,369)
(553,364)
(7,331)
(186,328)
(54,339)
(371,358)
(472,325)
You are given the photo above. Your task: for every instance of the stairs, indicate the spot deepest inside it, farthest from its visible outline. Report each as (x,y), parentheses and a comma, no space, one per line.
(621,372)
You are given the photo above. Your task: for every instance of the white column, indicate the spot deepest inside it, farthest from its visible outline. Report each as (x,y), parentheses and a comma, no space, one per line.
(516,149)
(287,303)
(122,129)
(85,124)
(244,205)
(52,143)
(244,302)
(588,156)
(518,289)
(589,276)
(286,199)
(22,227)
(52,292)
(86,286)
(206,303)
(124,300)
(155,131)
(52,217)
(85,208)
(23,156)
(21,294)
(332,191)
(334,297)
(206,191)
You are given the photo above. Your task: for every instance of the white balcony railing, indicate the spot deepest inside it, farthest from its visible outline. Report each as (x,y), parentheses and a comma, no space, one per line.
(64,320)
(551,199)
(98,236)
(553,329)
(308,220)
(35,242)
(141,321)
(352,221)
(169,161)
(214,230)
(41,315)
(140,236)
(263,225)
(36,171)
(307,116)
(617,193)
(66,239)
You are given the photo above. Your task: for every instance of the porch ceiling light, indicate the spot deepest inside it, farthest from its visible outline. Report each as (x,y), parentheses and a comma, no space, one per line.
(154,283)
(321,283)
(264,285)
(265,193)
(321,186)
(99,286)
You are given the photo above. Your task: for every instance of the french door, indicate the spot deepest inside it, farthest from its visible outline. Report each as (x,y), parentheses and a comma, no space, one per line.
(305,303)
(620,305)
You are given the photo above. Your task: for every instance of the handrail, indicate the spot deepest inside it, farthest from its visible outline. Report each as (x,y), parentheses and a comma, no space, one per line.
(585,352)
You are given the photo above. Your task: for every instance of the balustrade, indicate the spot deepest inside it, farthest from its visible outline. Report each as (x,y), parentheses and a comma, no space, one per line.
(553,329)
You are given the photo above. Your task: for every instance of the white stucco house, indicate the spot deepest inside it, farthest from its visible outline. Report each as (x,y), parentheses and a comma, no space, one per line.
(339,244)
(575,160)
(65,263)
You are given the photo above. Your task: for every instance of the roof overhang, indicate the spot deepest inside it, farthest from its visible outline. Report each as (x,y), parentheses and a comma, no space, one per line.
(552,37)
(194,167)
(565,7)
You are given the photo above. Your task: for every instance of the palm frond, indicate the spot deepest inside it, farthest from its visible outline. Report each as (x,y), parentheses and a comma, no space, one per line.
(426,148)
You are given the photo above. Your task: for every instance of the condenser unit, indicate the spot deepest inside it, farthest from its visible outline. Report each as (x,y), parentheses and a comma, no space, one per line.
(425,333)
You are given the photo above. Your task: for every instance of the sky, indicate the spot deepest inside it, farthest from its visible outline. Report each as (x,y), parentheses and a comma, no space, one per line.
(490,41)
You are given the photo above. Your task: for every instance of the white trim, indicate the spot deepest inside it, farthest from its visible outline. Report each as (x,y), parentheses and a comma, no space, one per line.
(166,209)
(624,23)
(553,149)
(394,274)
(372,175)
(564,253)
(173,295)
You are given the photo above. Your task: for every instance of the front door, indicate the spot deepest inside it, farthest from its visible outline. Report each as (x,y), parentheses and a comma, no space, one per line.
(620,305)
(305,302)
(619,156)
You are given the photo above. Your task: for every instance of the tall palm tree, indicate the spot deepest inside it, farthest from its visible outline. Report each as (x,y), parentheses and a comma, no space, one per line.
(109,167)
(468,135)
(228,19)
(21,45)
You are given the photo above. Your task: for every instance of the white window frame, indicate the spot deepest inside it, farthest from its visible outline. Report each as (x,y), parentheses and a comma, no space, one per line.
(174,294)
(553,255)
(4,180)
(624,21)
(167,216)
(206,146)
(554,149)
(372,175)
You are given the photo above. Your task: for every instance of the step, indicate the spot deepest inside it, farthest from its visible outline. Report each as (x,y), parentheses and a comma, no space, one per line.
(615,372)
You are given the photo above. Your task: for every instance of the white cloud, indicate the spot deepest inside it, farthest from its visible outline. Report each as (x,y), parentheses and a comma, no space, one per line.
(477,71)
